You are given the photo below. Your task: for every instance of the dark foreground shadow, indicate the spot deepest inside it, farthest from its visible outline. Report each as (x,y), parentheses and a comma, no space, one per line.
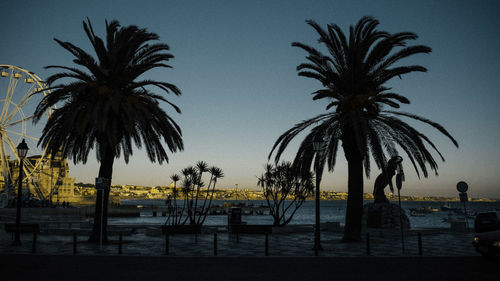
(109,268)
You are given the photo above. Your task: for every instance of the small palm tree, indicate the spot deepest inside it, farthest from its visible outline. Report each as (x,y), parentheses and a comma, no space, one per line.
(175,178)
(104,105)
(354,74)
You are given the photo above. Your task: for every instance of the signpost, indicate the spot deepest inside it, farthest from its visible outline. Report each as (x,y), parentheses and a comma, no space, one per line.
(101,184)
(462,187)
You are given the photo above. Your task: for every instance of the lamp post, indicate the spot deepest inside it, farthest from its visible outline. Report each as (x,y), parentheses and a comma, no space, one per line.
(399,185)
(22,150)
(318,143)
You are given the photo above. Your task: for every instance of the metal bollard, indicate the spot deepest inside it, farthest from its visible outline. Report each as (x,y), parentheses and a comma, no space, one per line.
(420,251)
(74,243)
(166,244)
(368,253)
(120,241)
(266,252)
(316,250)
(215,244)
(33,246)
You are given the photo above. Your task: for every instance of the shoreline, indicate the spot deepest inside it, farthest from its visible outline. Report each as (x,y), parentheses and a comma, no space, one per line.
(393,200)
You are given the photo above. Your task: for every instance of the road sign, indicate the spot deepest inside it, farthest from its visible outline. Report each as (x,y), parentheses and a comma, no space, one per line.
(462,186)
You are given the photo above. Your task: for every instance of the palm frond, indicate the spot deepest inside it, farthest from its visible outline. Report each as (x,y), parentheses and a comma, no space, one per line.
(353,73)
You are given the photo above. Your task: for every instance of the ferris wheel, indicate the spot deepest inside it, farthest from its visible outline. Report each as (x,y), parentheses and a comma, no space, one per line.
(17,105)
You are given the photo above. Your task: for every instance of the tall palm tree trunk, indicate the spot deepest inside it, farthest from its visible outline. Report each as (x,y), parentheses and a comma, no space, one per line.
(354,212)
(101,205)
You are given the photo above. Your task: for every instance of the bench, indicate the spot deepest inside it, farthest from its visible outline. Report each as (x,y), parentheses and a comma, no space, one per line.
(251,228)
(23,227)
(181,229)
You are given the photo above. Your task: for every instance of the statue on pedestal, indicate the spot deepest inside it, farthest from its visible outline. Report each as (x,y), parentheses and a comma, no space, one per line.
(385,178)
(381,213)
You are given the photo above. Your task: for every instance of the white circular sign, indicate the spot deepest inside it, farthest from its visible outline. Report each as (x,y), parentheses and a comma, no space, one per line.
(462,186)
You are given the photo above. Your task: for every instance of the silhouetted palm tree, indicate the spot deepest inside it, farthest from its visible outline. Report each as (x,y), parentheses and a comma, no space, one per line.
(105,105)
(353,75)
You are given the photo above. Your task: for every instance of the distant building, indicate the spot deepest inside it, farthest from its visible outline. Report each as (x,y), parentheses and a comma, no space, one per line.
(46,179)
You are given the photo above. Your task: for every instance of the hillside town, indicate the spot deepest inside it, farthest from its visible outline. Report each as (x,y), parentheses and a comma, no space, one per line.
(52,182)
(166,192)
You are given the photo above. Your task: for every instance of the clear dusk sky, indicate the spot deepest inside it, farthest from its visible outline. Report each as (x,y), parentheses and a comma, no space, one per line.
(236,69)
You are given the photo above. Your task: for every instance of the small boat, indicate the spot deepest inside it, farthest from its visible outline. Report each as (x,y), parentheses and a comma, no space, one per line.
(458,219)
(470,213)
(414,213)
(423,210)
(448,207)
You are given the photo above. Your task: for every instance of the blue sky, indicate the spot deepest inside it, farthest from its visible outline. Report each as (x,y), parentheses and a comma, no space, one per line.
(236,69)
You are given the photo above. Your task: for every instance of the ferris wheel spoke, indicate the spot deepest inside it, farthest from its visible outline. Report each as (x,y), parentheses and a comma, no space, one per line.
(3,156)
(29,164)
(2,148)
(22,135)
(10,93)
(18,108)
(11,80)
(27,173)
(26,162)
(20,121)
(11,145)
(4,173)
(8,96)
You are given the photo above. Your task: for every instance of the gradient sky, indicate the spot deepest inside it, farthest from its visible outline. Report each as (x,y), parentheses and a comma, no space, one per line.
(236,69)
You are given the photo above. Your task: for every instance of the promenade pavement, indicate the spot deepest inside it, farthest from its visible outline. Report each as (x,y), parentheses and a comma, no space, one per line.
(446,255)
(383,243)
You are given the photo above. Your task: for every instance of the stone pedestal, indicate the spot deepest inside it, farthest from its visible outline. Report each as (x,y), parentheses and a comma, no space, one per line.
(384,215)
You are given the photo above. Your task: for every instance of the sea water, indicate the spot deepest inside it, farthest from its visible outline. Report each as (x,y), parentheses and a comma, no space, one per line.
(330,211)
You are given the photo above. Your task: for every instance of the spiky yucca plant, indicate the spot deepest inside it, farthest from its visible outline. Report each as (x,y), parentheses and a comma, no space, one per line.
(285,189)
(194,192)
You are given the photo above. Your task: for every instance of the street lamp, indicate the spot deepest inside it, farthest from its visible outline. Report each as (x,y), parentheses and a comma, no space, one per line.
(22,150)
(318,143)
